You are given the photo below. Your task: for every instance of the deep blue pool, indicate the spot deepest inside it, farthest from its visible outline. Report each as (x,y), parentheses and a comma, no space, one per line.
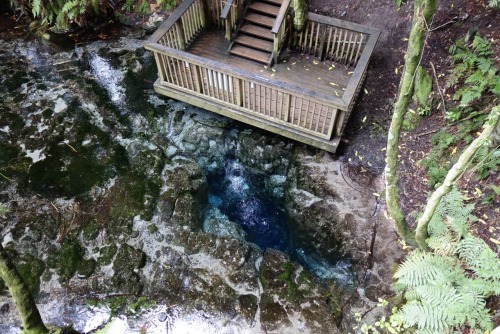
(243,198)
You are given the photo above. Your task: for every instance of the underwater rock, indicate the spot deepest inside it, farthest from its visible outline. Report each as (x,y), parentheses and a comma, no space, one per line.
(217,223)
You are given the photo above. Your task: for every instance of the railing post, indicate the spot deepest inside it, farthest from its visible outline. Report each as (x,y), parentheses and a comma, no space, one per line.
(322,42)
(287,107)
(239,91)
(179,29)
(202,12)
(229,24)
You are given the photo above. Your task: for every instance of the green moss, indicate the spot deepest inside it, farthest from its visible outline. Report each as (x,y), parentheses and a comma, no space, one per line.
(91,230)
(31,269)
(107,253)
(47,113)
(133,194)
(13,120)
(128,305)
(152,228)
(293,293)
(86,268)
(67,260)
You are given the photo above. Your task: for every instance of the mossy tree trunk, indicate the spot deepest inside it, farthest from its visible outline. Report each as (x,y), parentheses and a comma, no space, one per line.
(452,176)
(423,13)
(30,317)
(300,14)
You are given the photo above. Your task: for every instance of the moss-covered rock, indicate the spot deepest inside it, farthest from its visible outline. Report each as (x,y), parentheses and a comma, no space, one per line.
(67,259)
(186,193)
(106,254)
(247,306)
(125,265)
(31,268)
(268,154)
(288,291)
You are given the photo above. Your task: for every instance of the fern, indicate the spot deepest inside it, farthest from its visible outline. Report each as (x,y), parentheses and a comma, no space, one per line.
(446,289)
(421,268)
(473,69)
(36,7)
(425,317)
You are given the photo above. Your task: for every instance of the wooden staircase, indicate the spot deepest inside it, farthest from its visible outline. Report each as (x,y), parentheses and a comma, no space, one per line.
(254,39)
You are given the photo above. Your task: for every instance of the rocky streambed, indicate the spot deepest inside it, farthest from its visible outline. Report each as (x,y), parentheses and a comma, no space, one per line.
(130,212)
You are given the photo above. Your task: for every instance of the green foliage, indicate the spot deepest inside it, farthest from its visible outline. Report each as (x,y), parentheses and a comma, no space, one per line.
(446,289)
(61,14)
(486,160)
(399,2)
(474,71)
(143,7)
(491,194)
(3,210)
(437,162)
(494,3)
(167,4)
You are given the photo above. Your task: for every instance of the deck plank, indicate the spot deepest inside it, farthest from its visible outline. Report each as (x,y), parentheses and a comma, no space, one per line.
(327,77)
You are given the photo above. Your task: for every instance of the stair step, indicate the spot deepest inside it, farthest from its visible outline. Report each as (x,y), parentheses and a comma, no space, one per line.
(264,8)
(260,19)
(255,43)
(252,54)
(256,31)
(274,2)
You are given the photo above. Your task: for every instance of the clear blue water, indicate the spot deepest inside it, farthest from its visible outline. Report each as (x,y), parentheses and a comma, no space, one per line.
(242,197)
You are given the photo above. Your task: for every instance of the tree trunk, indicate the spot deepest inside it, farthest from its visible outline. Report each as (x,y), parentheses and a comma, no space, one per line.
(300,14)
(452,176)
(32,322)
(423,12)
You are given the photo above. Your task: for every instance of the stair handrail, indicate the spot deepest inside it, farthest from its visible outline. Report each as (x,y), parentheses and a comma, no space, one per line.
(170,21)
(281,16)
(227,7)
(279,30)
(231,13)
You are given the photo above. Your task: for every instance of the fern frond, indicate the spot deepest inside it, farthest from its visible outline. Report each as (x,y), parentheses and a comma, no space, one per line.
(438,296)
(480,258)
(421,268)
(443,244)
(36,7)
(425,317)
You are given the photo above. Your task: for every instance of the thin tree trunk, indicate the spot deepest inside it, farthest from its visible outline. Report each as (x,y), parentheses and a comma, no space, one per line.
(423,12)
(452,176)
(30,317)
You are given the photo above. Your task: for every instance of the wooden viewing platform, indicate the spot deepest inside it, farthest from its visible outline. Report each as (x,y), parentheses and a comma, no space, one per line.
(243,59)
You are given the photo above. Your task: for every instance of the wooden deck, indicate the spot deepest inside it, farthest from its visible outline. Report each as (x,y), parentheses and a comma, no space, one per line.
(293,69)
(308,93)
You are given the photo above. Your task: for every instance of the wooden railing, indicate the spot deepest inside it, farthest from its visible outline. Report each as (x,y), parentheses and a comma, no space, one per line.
(281,28)
(295,107)
(236,92)
(332,39)
(182,26)
(231,13)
